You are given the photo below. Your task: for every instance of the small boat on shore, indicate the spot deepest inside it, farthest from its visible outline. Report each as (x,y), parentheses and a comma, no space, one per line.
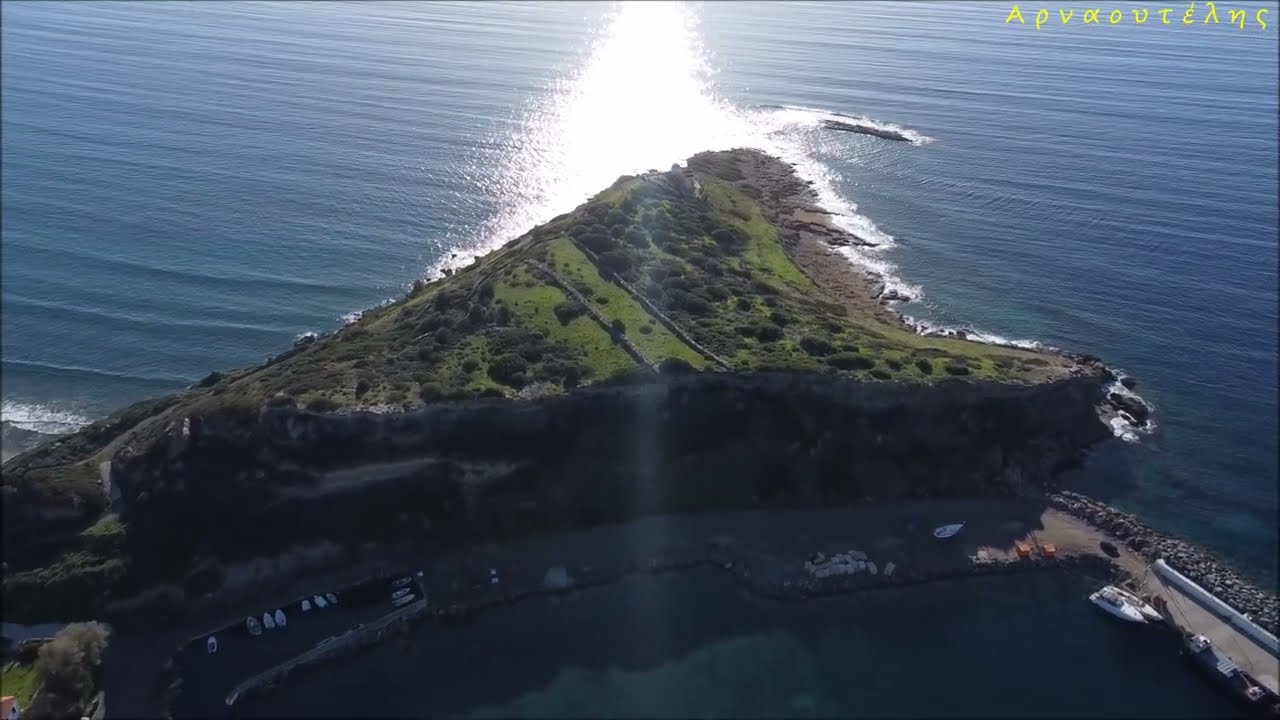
(251,623)
(402,600)
(943,532)
(1110,600)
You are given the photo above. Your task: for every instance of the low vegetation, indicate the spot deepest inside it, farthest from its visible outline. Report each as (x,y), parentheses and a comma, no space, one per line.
(667,273)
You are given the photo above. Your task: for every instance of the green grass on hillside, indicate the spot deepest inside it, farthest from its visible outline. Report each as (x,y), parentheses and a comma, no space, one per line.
(19,680)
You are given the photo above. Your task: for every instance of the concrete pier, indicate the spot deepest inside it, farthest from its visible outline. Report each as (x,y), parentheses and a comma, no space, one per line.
(1191,612)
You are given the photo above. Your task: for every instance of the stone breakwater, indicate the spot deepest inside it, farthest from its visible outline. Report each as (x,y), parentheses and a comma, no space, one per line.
(1207,571)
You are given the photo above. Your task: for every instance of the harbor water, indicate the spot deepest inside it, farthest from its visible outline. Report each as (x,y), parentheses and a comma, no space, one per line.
(691,643)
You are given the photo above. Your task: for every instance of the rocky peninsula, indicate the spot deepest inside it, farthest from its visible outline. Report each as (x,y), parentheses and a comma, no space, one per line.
(684,341)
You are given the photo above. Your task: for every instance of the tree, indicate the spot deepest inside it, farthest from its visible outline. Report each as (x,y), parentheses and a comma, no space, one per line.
(65,669)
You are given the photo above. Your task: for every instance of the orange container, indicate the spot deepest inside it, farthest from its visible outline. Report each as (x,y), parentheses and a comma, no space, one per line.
(1024,550)
(1049,549)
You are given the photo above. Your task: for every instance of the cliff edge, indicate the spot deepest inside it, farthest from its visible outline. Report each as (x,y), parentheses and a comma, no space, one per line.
(684,340)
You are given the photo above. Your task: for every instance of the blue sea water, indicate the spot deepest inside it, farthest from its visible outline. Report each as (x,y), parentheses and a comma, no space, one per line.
(188,186)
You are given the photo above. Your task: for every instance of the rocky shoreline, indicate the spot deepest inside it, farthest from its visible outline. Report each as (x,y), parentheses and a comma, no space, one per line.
(1209,572)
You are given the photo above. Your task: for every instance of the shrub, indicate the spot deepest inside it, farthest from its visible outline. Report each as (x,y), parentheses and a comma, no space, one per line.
(637,238)
(743,304)
(211,379)
(430,392)
(646,329)
(508,369)
(617,327)
(728,239)
(894,363)
(362,387)
(470,365)
(816,346)
(689,302)
(503,315)
(879,374)
(675,366)
(954,367)
(615,261)
(572,376)
(567,311)
(761,331)
(849,361)
(323,404)
(597,241)
(486,292)
(717,293)
(779,318)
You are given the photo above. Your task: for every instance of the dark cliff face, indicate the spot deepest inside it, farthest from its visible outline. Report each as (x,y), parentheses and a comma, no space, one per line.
(237,485)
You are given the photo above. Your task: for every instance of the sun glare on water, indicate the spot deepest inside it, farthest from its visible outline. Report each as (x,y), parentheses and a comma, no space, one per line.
(641,100)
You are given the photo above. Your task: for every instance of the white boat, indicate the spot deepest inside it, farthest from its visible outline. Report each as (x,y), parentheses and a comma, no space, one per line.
(319,602)
(1143,607)
(943,532)
(400,593)
(268,622)
(1114,603)
(404,600)
(254,627)
(401,582)
(333,599)
(306,605)
(211,644)
(280,619)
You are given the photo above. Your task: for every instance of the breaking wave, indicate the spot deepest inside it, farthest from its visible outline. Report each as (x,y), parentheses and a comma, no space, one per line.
(41,418)
(817,116)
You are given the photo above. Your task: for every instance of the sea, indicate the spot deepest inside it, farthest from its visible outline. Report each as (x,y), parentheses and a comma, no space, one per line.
(190,186)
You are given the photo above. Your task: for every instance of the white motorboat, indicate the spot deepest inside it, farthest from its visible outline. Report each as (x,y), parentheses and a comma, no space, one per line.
(306,605)
(254,627)
(400,593)
(401,582)
(280,619)
(404,600)
(333,599)
(943,532)
(1143,607)
(268,622)
(1114,603)
(211,644)
(319,602)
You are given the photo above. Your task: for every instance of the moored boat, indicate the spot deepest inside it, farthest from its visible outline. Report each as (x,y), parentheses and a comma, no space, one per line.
(1117,605)
(945,531)
(1142,606)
